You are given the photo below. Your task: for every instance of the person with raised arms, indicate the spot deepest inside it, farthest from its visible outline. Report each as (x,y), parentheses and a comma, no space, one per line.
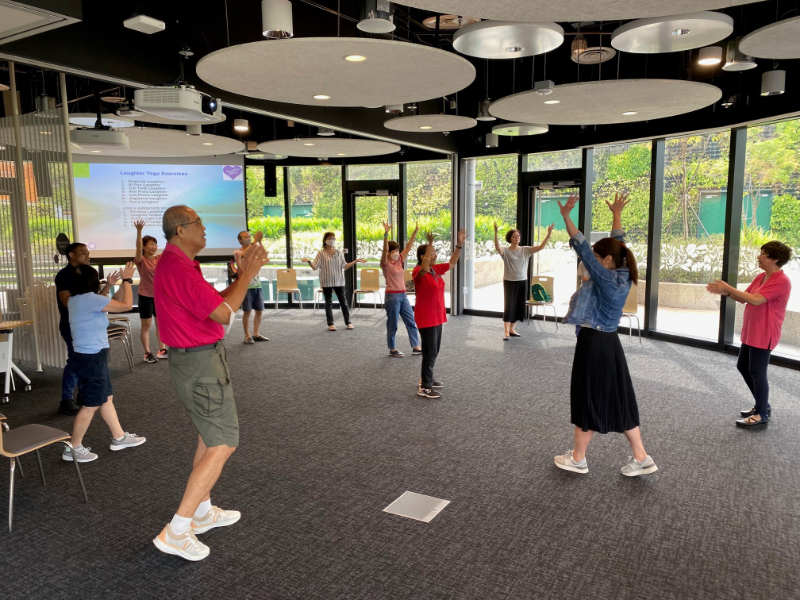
(146,260)
(393,265)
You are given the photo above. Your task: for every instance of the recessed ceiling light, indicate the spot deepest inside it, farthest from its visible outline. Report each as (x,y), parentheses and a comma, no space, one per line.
(680,32)
(308,144)
(513,49)
(355,58)
(340,154)
(709,56)
(321,97)
(208,143)
(95,151)
(629,113)
(552,101)
(426,126)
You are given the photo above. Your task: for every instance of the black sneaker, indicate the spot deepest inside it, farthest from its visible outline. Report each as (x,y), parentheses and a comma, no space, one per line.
(260,338)
(748,413)
(437,384)
(428,393)
(396,353)
(149,357)
(69,408)
(416,352)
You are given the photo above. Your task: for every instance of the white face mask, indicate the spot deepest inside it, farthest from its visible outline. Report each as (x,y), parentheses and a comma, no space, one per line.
(330,242)
(394,256)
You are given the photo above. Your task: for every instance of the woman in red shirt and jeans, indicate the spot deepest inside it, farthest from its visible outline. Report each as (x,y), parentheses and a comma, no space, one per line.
(765,309)
(429,311)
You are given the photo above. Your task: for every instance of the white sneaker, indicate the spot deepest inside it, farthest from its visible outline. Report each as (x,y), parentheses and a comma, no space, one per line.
(82,454)
(216,517)
(185,545)
(634,468)
(566,462)
(129,440)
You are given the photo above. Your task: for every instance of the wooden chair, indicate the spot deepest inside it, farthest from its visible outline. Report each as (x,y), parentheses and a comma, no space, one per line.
(630,312)
(24,440)
(287,284)
(370,284)
(547,283)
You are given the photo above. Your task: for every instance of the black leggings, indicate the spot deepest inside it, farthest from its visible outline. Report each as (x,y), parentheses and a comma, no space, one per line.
(328,293)
(431,340)
(752,364)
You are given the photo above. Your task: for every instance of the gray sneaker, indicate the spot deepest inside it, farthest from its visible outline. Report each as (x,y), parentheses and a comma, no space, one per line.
(634,468)
(82,454)
(129,440)
(566,462)
(185,545)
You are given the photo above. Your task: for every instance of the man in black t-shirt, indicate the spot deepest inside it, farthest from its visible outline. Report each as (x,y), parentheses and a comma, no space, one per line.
(77,254)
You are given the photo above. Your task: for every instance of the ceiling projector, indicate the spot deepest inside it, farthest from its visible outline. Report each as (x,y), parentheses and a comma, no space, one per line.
(178,103)
(89,139)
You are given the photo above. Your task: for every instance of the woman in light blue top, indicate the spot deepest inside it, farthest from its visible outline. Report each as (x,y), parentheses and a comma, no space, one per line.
(88,321)
(601,392)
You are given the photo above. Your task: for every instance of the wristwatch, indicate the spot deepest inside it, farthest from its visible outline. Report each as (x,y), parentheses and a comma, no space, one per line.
(127,280)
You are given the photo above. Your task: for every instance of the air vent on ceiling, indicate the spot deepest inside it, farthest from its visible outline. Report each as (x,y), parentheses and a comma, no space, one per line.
(593,55)
(18,20)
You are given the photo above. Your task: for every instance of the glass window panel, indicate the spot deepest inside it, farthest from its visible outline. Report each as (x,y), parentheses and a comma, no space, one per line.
(315,195)
(695,182)
(429,190)
(771,211)
(362,172)
(264,214)
(490,197)
(624,168)
(549,161)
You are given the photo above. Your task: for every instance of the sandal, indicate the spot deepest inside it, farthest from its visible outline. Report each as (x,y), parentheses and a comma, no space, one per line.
(331,327)
(349,326)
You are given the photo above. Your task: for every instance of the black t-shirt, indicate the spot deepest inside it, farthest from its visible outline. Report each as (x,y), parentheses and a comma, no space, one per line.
(64,281)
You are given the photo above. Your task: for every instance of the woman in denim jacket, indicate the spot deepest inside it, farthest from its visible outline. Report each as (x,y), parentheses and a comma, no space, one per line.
(601,392)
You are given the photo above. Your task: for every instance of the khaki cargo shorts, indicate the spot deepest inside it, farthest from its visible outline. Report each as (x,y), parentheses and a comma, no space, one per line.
(203,383)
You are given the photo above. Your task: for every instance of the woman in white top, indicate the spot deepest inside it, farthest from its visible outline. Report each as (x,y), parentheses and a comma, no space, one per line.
(515,277)
(332,265)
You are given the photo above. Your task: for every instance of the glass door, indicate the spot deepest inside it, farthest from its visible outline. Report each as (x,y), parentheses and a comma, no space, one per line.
(372,209)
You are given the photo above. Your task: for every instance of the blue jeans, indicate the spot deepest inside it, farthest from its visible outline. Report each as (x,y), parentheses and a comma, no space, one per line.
(69,381)
(397,305)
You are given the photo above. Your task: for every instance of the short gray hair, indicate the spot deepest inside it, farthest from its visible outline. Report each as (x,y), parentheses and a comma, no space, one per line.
(174,217)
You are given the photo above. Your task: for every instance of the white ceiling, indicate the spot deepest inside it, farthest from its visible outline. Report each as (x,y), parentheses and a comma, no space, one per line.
(157,142)
(604,102)
(779,40)
(568,10)
(297,69)
(107,119)
(328,147)
(657,35)
(430,123)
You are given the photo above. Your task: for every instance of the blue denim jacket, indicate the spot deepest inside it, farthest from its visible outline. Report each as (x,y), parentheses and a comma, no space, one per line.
(598,303)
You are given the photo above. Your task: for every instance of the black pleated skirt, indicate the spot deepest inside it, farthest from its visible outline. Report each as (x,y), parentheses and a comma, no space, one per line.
(514,295)
(601,393)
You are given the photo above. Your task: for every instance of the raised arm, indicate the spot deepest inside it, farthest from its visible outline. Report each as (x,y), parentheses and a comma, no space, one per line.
(139,225)
(496,241)
(726,289)
(410,243)
(122,301)
(616,208)
(565,209)
(251,260)
(354,261)
(545,240)
(385,253)
(462,235)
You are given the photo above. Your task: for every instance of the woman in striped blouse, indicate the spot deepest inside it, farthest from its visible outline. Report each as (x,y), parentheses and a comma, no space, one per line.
(331,265)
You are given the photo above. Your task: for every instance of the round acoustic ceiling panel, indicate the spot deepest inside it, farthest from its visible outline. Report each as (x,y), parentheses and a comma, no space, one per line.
(157,120)
(107,119)
(779,40)
(672,34)
(518,129)
(567,10)
(317,147)
(505,39)
(330,71)
(604,102)
(430,123)
(156,141)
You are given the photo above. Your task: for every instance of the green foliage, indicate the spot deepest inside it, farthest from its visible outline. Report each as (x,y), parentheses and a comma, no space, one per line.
(785,220)
(256,200)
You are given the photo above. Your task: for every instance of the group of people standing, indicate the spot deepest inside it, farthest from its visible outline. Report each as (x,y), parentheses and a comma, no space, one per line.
(193,318)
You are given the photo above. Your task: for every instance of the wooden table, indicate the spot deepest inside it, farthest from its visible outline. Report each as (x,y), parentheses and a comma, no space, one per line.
(6,356)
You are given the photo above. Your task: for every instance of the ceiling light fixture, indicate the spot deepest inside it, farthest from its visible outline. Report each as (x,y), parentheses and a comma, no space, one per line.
(492,140)
(355,58)
(276,19)
(321,97)
(341,154)
(426,127)
(512,49)
(208,143)
(681,32)
(241,125)
(735,60)
(95,151)
(552,102)
(710,56)
(308,144)
(630,113)
(773,83)
(326,132)
(729,102)
(376,17)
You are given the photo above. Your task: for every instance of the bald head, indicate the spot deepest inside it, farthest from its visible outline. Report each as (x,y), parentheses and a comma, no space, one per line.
(173,217)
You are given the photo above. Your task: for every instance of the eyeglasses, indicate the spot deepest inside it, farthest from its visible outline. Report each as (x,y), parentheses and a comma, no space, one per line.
(198,220)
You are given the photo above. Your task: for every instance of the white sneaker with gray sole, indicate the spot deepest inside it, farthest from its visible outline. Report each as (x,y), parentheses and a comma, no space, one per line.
(216,517)
(129,440)
(82,454)
(634,468)
(185,545)
(566,462)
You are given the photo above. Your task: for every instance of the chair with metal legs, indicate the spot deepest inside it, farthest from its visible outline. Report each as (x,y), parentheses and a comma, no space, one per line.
(630,310)
(32,438)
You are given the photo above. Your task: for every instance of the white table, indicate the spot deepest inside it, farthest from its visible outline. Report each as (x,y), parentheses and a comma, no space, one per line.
(6,354)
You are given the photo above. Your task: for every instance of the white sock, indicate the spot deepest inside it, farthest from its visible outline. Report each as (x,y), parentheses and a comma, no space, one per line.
(180,525)
(202,509)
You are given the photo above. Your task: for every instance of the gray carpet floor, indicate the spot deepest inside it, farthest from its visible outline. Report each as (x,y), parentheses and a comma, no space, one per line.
(331,433)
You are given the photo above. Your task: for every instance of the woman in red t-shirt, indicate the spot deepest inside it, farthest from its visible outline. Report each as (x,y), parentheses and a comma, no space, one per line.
(429,311)
(765,309)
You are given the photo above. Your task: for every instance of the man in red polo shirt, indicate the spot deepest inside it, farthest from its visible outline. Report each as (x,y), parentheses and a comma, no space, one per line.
(190,314)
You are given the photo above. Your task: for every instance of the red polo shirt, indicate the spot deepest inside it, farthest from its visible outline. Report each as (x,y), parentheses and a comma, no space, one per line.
(184,301)
(429,310)
(761,325)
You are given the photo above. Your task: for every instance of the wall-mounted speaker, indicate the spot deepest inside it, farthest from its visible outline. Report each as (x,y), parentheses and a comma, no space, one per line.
(270,181)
